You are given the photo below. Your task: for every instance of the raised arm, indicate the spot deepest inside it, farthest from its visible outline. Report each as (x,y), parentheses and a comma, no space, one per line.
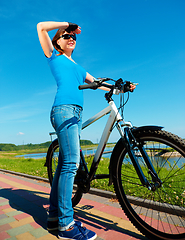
(43,28)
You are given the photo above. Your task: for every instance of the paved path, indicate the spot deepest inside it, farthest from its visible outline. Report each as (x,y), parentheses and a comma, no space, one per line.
(23,212)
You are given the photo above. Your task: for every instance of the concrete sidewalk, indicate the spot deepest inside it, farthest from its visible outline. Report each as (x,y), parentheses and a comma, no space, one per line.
(23,212)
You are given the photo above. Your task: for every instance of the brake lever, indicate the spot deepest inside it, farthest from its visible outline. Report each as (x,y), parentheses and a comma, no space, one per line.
(101,80)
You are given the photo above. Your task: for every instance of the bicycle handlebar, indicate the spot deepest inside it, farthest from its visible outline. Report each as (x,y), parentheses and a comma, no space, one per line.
(119,84)
(92,85)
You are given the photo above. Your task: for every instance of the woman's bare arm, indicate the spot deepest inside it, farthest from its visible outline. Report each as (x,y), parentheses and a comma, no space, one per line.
(43,28)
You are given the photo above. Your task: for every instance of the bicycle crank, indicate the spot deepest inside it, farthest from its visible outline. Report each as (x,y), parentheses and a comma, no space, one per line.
(82,181)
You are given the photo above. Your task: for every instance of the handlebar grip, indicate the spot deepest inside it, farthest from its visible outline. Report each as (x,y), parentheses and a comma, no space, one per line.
(92,85)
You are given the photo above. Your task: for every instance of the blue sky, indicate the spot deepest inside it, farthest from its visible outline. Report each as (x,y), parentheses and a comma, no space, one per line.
(138,40)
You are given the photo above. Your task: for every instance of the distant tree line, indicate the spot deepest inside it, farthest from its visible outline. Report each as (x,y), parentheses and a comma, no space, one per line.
(13,147)
(85,142)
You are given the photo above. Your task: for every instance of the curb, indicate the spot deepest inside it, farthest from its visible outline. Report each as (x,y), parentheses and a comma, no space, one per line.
(25,175)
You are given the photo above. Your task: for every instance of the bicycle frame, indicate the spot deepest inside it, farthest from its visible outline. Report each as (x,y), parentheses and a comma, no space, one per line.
(113,117)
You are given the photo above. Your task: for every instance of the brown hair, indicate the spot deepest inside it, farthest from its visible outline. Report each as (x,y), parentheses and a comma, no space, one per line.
(54,41)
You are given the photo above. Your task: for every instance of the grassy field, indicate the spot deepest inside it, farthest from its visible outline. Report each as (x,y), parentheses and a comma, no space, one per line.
(35,167)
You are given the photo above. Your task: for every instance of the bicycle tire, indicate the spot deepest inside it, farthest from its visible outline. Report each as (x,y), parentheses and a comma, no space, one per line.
(157,214)
(52,162)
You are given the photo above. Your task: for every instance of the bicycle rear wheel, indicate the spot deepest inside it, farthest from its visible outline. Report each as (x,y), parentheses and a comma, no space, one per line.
(158,214)
(52,163)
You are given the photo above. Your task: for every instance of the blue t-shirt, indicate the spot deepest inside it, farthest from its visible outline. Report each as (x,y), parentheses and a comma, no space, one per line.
(68,76)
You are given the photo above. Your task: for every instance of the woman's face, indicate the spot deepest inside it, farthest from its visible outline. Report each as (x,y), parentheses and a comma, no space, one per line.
(67,44)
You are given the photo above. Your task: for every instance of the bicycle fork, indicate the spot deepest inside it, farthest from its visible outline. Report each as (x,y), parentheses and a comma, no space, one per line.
(130,146)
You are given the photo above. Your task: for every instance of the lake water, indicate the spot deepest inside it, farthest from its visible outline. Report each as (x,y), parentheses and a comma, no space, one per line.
(92,151)
(85,152)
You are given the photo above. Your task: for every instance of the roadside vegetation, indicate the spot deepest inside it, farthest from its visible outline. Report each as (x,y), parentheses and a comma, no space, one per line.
(35,167)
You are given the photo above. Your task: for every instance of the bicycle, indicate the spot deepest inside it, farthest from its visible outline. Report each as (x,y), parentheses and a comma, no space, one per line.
(147,169)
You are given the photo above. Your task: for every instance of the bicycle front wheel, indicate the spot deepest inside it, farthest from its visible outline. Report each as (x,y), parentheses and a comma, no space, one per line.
(52,163)
(159,213)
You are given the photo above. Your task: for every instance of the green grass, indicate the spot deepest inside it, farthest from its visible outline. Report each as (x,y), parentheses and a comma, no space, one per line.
(172,190)
(35,167)
(103,168)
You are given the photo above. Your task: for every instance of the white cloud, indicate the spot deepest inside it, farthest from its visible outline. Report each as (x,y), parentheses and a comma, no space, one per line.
(20,133)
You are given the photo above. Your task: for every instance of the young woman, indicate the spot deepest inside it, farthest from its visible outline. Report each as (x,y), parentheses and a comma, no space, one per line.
(66,118)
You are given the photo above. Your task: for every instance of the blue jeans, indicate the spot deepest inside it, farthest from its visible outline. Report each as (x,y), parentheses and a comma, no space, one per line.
(67,122)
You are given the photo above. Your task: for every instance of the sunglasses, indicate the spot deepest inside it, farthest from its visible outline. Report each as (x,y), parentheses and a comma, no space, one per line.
(68,36)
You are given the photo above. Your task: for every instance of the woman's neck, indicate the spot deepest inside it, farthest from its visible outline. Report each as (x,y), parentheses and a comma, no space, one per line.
(68,56)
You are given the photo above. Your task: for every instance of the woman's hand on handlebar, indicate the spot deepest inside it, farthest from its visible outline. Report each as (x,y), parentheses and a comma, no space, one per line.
(132,87)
